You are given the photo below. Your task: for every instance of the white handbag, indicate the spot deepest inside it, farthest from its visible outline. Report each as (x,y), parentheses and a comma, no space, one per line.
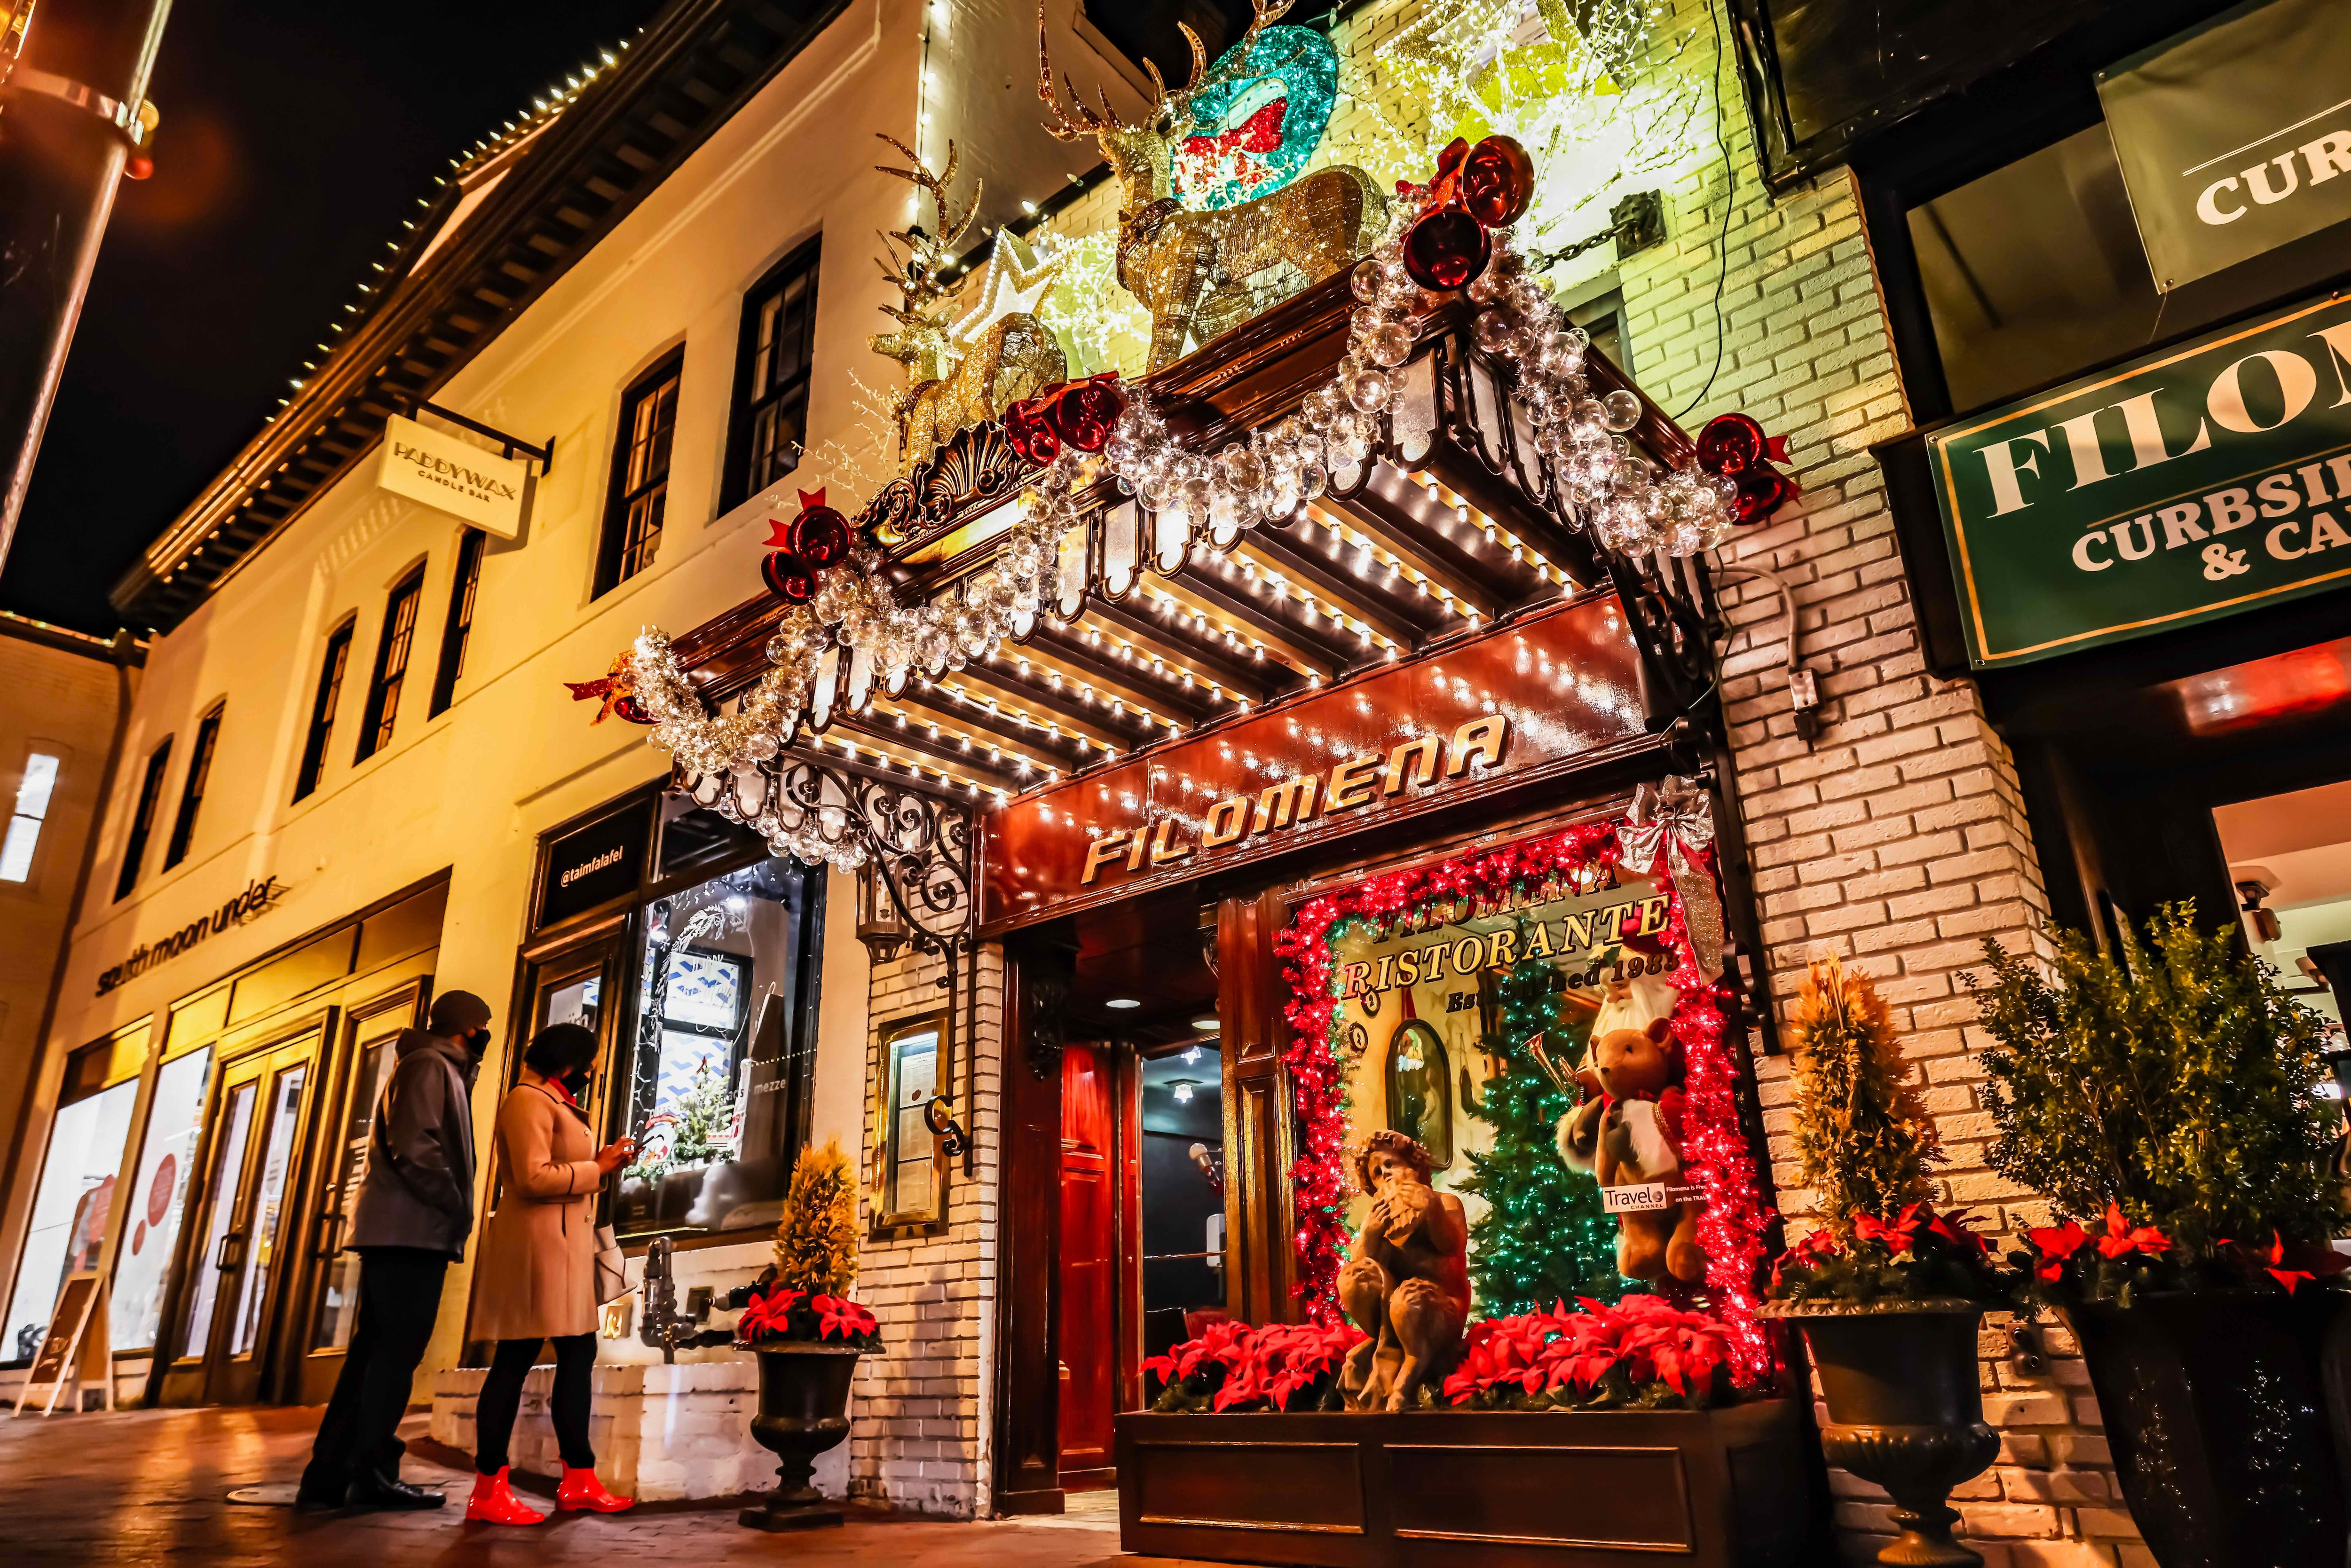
(611,1267)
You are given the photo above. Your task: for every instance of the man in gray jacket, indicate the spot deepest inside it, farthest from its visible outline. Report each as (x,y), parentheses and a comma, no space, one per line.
(415,1209)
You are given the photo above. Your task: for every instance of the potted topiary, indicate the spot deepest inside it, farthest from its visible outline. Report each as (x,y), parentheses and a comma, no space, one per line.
(808,1334)
(2166,1101)
(1890,1292)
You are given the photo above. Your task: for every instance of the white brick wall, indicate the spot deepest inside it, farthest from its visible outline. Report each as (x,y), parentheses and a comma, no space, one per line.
(1898,837)
(921,1438)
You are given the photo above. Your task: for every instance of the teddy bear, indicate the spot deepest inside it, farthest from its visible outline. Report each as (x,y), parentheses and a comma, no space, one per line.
(1627,1132)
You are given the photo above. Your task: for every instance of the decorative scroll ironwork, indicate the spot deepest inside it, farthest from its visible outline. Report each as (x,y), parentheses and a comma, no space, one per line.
(976,466)
(921,844)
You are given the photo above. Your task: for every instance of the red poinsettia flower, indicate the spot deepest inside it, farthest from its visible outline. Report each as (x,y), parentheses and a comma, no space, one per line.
(2056,1244)
(840,1314)
(1898,1236)
(768,1316)
(2121,1240)
(2276,1269)
(1956,1229)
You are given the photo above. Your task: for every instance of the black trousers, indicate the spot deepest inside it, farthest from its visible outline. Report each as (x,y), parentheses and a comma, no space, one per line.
(493,1412)
(400,1295)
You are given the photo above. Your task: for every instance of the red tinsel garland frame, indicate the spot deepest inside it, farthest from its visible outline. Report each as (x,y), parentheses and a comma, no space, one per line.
(1714,1150)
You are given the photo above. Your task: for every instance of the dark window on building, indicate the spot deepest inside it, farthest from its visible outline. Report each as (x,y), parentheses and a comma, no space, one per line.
(322,709)
(632,521)
(459,629)
(771,388)
(192,793)
(390,665)
(143,820)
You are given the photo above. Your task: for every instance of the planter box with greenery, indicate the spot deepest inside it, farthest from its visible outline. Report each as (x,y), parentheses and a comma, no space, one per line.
(808,1334)
(1888,1291)
(2166,1098)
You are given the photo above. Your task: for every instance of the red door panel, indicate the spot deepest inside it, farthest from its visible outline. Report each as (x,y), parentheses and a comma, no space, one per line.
(1089,1268)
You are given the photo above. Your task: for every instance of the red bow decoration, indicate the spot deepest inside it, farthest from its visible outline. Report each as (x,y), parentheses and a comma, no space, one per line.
(1734,447)
(616,691)
(817,539)
(1076,414)
(1477,188)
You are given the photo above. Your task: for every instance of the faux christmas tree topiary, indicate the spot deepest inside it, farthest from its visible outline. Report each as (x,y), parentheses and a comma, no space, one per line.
(1865,1142)
(816,1239)
(2169,1097)
(1543,1238)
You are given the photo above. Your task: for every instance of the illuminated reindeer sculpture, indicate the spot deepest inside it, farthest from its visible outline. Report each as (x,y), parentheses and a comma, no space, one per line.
(1189,268)
(952,385)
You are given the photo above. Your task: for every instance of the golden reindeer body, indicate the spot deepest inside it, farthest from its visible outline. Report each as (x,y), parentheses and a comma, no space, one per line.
(952,385)
(1191,270)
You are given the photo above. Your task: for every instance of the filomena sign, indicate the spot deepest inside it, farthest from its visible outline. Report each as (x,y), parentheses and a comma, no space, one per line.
(2187,485)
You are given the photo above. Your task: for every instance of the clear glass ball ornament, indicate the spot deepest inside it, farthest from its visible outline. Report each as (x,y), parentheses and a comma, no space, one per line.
(1368,391)
(1494,331)
(1196,494)
(1390,344)
(1312,481)
(1244,470)
(1621,410)
(1364,283)
(1560,355)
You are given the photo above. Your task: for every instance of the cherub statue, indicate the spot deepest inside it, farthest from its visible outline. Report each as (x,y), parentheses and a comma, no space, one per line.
(1407,1285)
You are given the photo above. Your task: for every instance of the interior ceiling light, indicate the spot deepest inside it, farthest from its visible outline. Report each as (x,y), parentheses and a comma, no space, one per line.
(1183,1087)
(1122,1002)
(1207,1023)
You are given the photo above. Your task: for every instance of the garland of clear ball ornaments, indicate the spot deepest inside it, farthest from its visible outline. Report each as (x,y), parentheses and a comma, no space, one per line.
(1268,477)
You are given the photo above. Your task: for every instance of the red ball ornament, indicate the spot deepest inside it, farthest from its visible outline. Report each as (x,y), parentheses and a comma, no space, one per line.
(1084,412)
(1498,181)
(1735,446)
(1445,249)
(1028,425)
(820,536)
(788,577)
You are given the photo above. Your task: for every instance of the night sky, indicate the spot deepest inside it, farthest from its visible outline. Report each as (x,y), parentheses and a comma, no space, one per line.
(296,137)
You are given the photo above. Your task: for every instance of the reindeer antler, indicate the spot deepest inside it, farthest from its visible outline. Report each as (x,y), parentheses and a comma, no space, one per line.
(1062,127)
(1268,13)
(916,274)
(951,223)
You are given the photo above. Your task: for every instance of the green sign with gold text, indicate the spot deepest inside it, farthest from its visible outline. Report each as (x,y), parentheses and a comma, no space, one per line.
(2202,481)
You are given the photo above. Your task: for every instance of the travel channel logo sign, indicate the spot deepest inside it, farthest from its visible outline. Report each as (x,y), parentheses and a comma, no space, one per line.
(2175,489)
(452,475)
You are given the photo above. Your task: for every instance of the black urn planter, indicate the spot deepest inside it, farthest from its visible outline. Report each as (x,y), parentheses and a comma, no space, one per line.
(2215,1407)
(803,1412)
(1905,1410)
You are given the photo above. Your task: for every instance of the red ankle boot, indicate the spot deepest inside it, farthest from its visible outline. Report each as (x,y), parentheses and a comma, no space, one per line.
(580,1489)
(494,1502)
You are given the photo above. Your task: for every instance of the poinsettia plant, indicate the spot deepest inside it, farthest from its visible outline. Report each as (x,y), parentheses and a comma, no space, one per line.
(1642,1354)
(773,1311)
(805,1294)
(1917,1255)
(2116,1259)
(1235,1365)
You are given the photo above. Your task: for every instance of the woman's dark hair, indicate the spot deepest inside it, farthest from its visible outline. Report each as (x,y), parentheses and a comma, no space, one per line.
(559,1050)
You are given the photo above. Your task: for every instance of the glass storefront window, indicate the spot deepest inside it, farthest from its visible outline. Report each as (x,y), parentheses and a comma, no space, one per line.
(159,1195)
(206,1263)
(269,1206)
(1182,1117)
(69,1210)
(718,1069)
(339,1302)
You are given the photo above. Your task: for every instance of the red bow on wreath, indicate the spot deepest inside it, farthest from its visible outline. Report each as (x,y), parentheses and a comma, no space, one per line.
(1735,448)
(817,539)
(616,692)
(1477,188)
(1076,414)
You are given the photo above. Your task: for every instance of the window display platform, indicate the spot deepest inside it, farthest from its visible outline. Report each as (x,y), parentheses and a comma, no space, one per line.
(1728,1488)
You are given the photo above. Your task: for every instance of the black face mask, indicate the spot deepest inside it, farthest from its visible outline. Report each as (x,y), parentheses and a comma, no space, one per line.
(477,1044)
(577,1082)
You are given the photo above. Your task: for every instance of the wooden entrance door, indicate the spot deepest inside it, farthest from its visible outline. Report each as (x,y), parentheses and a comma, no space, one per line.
(330,1299)
(247,1238)
(1088,1266)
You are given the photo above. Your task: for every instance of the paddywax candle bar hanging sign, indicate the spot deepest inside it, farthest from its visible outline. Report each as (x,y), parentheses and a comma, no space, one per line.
(452,473)
(1526,702)
(2198,482)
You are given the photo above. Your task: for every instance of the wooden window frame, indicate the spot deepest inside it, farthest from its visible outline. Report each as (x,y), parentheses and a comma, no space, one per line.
(750,398)
(143,818)
(333,667)
(395,646)
(192,788)
(626,550)
(457,630)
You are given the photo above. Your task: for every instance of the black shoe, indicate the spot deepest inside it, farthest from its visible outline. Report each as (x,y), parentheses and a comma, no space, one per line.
(385,1489)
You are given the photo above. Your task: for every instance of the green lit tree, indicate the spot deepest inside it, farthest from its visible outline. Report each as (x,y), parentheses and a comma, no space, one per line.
(704,1115)
(1544,1237)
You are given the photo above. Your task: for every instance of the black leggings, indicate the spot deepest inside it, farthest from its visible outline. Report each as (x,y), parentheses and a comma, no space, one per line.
(493,1412)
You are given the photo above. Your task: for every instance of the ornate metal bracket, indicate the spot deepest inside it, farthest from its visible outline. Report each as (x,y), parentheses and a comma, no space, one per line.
(921,844)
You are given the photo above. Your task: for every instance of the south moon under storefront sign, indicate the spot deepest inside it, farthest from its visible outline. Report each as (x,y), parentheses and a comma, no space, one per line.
(1524,702)
(2202,481)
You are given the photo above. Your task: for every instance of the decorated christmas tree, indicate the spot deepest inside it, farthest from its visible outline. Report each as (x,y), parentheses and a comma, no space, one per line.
(705,1116)
(1543,1238)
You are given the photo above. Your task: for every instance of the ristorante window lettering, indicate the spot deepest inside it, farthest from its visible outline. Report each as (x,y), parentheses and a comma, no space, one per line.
(719,1066)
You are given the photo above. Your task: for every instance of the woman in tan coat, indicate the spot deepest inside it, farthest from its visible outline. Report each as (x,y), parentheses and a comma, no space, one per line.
(536,1279)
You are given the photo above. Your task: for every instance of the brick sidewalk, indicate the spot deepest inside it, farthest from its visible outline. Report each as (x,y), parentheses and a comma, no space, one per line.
(149,1486)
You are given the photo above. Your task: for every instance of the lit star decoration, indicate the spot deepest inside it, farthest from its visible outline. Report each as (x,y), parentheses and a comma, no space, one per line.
(1715,1152)
(1011,284)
